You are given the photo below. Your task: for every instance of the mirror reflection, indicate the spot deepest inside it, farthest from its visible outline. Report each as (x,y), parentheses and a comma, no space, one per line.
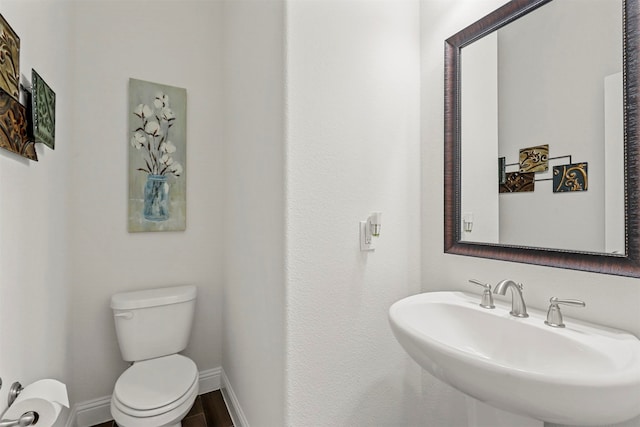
(542,138)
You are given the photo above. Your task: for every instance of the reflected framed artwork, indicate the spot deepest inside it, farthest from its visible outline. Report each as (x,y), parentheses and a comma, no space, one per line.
(570,178)
(534,159)
(517,182)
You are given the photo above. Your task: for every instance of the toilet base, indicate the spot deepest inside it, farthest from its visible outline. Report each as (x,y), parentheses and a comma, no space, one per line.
(172,425)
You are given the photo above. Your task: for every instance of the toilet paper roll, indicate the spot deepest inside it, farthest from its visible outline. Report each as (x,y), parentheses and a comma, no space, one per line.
(46,397)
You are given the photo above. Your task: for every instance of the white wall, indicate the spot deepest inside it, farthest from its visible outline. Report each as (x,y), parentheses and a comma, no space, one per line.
(611,300)
(352,145)
(479,136)
(254,302)
(613,158)
(352,148)
(34,214)
(174,43)
(552,93)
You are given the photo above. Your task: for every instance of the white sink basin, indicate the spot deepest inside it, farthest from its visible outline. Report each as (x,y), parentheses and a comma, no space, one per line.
(583,374)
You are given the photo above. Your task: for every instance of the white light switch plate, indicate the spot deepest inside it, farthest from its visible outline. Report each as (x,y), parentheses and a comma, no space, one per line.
(364,246)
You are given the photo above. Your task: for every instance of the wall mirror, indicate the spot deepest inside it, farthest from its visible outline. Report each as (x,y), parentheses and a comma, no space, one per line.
(541,136)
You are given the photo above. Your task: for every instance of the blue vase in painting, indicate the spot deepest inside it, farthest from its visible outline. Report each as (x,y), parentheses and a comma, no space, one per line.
(156,198)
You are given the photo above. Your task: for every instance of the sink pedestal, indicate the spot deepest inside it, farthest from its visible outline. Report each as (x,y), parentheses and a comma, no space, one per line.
(482,415)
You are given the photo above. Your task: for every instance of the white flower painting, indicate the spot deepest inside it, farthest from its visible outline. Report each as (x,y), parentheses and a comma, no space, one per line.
(157,156)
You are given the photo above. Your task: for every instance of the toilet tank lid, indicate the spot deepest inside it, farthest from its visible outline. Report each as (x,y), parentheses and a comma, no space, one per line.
(153,297)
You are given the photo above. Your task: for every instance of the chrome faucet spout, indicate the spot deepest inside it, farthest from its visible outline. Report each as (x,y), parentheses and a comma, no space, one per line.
(518,307)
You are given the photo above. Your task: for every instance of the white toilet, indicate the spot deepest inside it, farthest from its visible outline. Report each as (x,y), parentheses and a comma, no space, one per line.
(160,387)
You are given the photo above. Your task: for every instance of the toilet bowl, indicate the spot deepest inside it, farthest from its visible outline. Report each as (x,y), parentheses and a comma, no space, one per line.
(160,387)
(157,392)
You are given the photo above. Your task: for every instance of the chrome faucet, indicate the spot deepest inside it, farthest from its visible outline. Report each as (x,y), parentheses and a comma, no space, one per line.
(518,307)
(487,297)
(554,315)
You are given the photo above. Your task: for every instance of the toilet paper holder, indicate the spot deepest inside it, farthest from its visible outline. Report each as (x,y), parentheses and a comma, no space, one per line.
(27,419)
(14,391)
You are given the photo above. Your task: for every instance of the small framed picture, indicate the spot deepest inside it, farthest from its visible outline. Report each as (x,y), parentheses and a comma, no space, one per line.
(534,159)
(13,127)
(43,109)
(572,177)
(9,60)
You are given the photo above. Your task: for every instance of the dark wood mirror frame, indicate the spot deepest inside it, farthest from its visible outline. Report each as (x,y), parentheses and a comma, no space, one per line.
(627,265)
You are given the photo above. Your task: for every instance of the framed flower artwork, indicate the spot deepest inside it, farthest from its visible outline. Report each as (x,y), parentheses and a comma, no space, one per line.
(157,157)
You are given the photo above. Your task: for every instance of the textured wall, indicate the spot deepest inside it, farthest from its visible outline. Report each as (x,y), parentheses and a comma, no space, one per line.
(174,43)
(254,302)
(352,148)
(612,301)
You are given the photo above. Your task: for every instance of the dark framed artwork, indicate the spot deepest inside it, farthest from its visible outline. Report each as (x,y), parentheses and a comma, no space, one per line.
(13,127)
(43,110)
(518,182)
(9,60)
(570,178)
(502,170)
(534,159)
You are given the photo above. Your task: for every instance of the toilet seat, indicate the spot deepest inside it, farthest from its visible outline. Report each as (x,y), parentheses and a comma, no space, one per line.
(171,418)
(156,386)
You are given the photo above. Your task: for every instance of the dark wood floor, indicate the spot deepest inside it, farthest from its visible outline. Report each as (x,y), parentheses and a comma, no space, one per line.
(209,410)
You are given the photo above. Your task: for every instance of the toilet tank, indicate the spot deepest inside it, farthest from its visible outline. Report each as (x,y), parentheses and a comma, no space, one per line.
(153,322)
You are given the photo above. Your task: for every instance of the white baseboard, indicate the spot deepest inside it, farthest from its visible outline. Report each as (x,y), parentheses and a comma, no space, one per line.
(97,411)
(90,412)
(233,404)
(210,380)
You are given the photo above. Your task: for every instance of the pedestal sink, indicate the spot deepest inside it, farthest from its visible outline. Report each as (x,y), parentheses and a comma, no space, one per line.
(583,374)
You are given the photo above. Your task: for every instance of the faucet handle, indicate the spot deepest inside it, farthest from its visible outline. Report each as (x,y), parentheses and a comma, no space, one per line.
(487,296)
(479,283)
(554,315)
(574,302)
